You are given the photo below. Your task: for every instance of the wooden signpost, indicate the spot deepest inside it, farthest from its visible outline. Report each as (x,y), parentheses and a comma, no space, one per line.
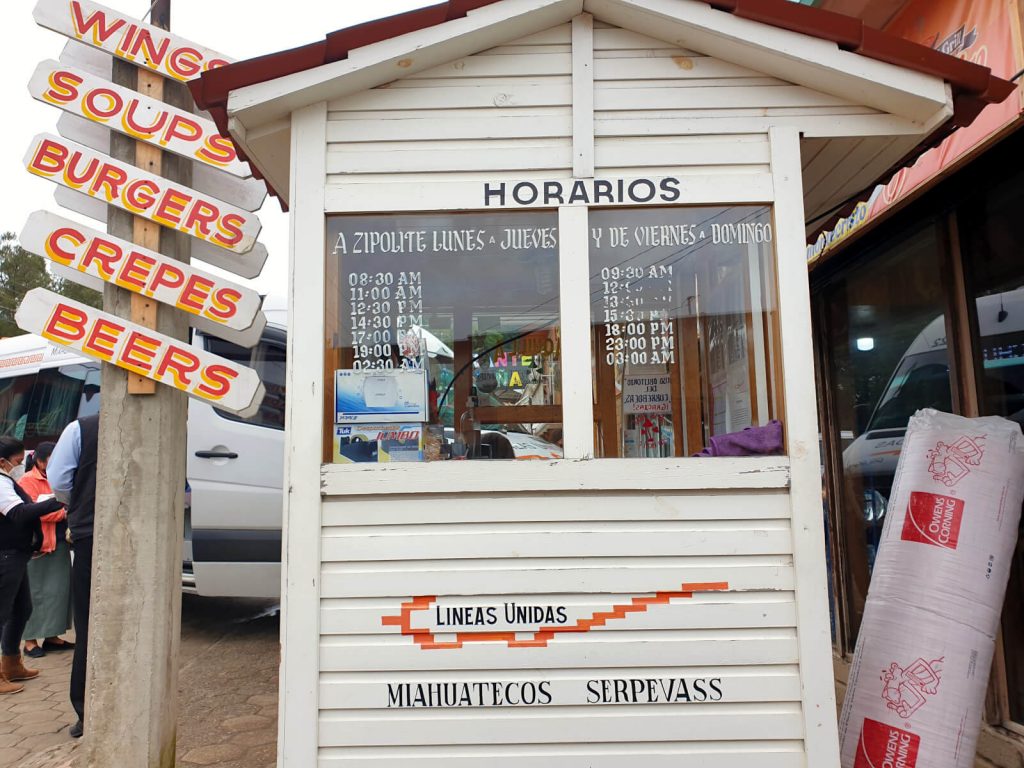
(129,146)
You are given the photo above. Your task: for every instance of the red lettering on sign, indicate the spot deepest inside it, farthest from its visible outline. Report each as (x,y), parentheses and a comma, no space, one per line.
(196,292)
(140,194)
(179,363)
(202,215)
(136,270)
(217,381)
(102,338)
(97,23)
(65,324)
(182,127)
(102,103)
(53,244)
(154,52)
(63,87)
(138,352)
(229,230)
(105,253)
(168,211)
(167,276)
(49,158)
(218,150)
(133,126)
(111,177)
(184,62)
(74,174)
(225,303)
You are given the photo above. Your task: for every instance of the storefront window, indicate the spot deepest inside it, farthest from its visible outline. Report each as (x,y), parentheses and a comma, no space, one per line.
(683,314)
(446,341)
(995,281)
(885,345)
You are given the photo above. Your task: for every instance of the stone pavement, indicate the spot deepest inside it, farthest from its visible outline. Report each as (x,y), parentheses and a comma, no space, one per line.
(227,693)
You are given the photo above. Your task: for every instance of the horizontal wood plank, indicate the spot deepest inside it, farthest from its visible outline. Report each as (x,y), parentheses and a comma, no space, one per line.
(677,67)
(371,691)
(662,97)
(632,575)
(554,508)
(766,755)
(756,537)
(566,651)
(389,126)
(559,475)
(500,66)
(738,150)
(498,96)
(706,610)
(501,157)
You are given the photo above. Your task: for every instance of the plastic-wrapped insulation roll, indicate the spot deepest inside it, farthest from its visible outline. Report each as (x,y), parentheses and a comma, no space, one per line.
(917,685)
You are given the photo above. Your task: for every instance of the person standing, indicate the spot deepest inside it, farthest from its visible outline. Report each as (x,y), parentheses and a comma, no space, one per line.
(20,535)
(72,475)
(49,572)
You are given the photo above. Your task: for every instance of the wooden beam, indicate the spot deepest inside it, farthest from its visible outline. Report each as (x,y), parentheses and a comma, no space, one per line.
(519,414)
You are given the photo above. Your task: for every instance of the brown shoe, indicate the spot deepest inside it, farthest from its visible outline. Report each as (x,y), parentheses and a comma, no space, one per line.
(9,687)
(12,669)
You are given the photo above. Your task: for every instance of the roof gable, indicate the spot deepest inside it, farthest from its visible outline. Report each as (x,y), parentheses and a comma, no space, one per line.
(780,39)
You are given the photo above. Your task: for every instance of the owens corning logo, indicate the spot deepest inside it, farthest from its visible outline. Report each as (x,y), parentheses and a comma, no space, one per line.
(933,519)
(885,746)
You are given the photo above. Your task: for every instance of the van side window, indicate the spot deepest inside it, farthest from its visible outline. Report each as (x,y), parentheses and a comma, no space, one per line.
(15,394)
(53,404)
(268,359)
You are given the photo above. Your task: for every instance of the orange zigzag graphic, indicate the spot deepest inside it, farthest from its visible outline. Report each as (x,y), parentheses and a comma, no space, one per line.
(427,640)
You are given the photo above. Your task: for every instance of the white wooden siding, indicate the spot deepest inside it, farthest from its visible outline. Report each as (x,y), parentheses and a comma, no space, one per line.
(587,552)
(503,113)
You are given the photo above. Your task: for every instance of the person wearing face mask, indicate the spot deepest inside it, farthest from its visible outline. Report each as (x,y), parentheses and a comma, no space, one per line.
(20,536)
(49,572)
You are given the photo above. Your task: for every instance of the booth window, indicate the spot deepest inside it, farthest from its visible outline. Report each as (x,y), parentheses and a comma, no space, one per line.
(684,332)
(464,305)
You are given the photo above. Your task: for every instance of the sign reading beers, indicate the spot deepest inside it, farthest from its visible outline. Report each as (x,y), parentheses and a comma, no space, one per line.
(141,270)
(130,112)
(127,38)
(138,349)
(143,194)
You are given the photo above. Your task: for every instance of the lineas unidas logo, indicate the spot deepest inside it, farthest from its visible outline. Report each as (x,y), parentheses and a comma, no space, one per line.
(885,746)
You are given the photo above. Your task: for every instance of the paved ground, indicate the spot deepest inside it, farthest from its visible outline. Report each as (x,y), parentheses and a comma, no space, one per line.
(227,689)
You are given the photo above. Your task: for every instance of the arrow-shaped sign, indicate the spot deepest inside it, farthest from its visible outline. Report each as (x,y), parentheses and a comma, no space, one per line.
(141,193)
(229,310)
(111,339)
(134,114)
(127,38)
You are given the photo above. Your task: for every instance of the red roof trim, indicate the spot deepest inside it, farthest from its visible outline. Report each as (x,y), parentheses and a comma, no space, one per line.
(974,86)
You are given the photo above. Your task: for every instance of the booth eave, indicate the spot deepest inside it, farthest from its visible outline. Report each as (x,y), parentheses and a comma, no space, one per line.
(917,93)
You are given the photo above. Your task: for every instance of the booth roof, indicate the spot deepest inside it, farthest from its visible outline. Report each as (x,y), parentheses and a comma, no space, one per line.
(974,87)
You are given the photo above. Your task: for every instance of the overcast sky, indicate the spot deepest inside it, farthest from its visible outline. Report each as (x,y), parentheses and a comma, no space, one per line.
(239,29)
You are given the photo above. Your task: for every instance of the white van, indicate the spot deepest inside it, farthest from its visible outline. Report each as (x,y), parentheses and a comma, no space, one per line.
(234,467)
(921,379)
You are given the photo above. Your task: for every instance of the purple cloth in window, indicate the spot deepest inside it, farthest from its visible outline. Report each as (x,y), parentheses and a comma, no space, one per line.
(752,441)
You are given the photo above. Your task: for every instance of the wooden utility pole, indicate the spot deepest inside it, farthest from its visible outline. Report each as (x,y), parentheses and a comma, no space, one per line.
(131,701)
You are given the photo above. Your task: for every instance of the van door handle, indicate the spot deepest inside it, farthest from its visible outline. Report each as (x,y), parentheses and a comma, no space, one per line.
(216,454)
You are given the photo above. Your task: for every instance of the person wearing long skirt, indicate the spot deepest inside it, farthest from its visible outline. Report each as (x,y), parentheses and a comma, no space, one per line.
(49,572)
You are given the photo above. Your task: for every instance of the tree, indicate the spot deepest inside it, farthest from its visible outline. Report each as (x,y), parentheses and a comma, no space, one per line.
(72,290)
(20,272)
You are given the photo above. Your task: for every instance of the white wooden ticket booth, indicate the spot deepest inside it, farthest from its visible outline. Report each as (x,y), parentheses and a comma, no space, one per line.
(595,211)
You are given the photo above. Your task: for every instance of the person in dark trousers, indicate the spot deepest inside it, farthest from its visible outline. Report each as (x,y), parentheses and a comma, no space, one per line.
(72,475)
(20,536)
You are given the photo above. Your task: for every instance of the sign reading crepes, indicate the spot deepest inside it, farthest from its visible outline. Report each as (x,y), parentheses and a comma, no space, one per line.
(143,194)
(130,112)
(127,38)
(140,350)
(140,270)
